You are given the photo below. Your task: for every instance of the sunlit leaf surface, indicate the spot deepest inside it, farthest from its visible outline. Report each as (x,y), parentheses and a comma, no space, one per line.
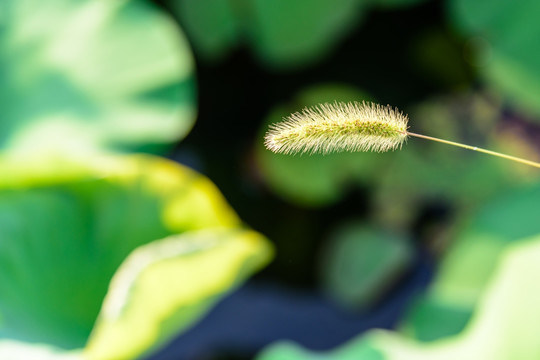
(471,262)
(67,229)
(80,75)
(504,326)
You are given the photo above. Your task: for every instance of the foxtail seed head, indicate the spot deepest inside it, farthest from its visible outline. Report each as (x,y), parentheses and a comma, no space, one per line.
(339,126)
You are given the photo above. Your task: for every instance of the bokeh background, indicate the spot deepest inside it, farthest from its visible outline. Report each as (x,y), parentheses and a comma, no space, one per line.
(435,245)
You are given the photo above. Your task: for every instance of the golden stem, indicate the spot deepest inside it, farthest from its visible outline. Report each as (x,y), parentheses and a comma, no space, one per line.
(474,148)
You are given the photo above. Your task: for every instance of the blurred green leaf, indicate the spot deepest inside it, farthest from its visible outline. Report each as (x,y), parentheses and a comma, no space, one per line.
(282,33)
(504,39)
(315,180)
(66,229)
(59,252)
(473,258)
(361,262)
(81,75)
(16,350)
(471,261)
(289,33)
(505,324)
(163,287)
(354,350)
(213,25)
(430,319)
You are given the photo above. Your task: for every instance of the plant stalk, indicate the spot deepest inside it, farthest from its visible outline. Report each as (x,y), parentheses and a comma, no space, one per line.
(475,148)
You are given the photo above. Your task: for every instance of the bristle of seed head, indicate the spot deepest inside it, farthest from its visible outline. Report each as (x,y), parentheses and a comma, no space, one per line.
(337,127)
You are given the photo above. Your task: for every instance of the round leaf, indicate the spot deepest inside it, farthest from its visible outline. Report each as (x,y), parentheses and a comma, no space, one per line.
(68,225)
(81,75)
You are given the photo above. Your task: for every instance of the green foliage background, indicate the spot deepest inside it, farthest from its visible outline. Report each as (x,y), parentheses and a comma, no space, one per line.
(108,252)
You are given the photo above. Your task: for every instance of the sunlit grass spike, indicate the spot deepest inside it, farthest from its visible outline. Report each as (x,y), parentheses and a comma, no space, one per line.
(351,126)
(339,126)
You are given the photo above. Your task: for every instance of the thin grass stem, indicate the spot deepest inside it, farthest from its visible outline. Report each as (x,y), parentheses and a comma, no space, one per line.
(475,148)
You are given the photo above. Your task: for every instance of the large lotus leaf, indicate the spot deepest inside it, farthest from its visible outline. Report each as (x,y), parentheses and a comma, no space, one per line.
(361,262)
(504,35)
(77,75)
(163,287)
(505,324)
(68,226)
(315,180)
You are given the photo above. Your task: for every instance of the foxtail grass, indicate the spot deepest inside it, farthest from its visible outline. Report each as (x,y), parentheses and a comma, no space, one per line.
(351,126)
